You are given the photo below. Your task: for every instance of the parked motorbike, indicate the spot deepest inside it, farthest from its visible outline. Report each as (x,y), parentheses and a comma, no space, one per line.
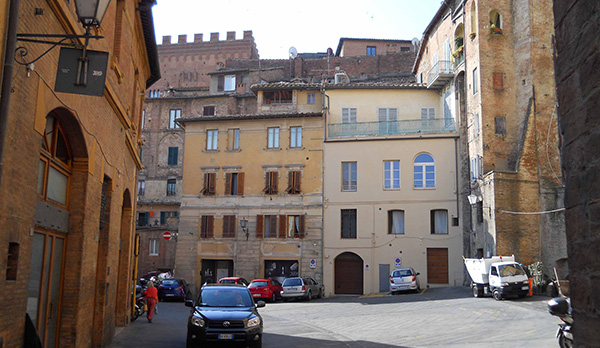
(561,307)
(140,303)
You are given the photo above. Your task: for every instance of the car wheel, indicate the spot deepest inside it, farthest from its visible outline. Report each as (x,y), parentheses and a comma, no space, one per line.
(273,298)
(497,295)
(257,344)
(476,292)
(309,296)
(284,299)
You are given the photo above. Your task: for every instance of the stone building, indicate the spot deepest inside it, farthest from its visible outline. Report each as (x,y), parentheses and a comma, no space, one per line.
(577,48)
(492,62)
(69,174)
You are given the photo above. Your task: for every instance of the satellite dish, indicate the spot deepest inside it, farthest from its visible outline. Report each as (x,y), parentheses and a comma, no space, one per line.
(415,41)
(293,52)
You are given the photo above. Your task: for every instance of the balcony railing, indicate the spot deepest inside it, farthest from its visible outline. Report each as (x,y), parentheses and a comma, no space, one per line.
(402,127)
(439,74)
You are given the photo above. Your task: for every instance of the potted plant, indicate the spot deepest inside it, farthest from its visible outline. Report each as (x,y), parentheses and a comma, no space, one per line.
(472,35)
(495,30)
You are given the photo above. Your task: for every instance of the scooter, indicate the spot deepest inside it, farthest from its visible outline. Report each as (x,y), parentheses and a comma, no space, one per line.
(561,307)
(140,302)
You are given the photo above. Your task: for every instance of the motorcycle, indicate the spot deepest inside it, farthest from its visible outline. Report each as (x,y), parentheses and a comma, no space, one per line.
(561,307)
(140,303)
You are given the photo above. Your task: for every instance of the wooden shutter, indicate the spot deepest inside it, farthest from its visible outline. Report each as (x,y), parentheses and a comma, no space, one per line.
(229,226)
(260,221)
(267,189)
(210,225)
(297,182)
(382,114)
(290,187)
(228,177)
(273,226)
(240,184)
(205,186)
(221,83)
(211,181)
(301,228)
(282,226)
(274,183)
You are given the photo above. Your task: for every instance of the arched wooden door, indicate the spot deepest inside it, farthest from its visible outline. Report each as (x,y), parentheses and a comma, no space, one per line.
(348,274)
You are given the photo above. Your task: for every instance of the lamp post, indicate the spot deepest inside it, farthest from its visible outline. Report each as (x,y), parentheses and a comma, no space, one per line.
(243,225)
(472,199)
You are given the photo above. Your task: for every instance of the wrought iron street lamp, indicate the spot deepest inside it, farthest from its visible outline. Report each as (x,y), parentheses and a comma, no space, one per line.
(243,225)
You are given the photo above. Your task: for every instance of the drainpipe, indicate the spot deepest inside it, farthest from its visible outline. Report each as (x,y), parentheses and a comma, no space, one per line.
(7,73)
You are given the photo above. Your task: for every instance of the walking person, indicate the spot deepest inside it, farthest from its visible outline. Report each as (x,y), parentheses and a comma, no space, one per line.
(151,299)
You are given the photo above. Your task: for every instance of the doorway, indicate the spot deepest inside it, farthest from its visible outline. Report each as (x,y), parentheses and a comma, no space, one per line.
(348,274)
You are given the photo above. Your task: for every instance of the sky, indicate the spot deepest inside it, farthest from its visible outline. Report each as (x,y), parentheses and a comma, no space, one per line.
(309,25)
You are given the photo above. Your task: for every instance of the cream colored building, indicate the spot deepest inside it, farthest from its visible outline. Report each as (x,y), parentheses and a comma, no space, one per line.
(390,187)
(252,189)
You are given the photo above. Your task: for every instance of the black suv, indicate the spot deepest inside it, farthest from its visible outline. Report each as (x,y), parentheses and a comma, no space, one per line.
(224,313)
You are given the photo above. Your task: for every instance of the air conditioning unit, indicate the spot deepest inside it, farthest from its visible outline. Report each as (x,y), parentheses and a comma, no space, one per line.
(341,77)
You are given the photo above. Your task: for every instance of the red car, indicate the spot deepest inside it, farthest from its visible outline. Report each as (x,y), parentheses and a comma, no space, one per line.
(234,280)
(265,289)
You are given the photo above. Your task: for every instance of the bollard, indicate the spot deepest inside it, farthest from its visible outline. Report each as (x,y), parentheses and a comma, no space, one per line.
(530,287)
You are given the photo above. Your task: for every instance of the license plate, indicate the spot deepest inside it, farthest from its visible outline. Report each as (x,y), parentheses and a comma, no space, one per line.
(225,336)
(256,295)
(525,288)
(169,295)
(404,287)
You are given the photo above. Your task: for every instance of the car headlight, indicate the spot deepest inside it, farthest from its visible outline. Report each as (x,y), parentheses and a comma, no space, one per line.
(526,282)
(505,284)
(253,322)
(197,321)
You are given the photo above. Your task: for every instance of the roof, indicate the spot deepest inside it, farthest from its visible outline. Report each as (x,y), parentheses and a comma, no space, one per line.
(195,119)
(145,10)
(438,15)
(228,71)
(341,43)
(285,85)
(393,84)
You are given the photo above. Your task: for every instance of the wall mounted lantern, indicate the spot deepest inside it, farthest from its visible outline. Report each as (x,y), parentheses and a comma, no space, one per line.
(472,199)
(244,226)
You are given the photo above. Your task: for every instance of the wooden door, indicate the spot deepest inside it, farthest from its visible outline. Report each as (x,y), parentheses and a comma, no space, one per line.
(437,265)
(348,274)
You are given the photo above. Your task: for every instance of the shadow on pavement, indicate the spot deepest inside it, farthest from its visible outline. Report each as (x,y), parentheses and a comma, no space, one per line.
(446,293)
(279,341)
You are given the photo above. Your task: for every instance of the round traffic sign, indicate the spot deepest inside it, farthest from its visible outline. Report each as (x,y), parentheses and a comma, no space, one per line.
(167,235)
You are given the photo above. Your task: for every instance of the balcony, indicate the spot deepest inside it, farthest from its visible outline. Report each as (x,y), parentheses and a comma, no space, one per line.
(390,128)
(439,74)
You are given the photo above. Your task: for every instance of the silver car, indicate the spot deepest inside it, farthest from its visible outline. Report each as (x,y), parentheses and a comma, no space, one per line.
(404,279)
(301,288)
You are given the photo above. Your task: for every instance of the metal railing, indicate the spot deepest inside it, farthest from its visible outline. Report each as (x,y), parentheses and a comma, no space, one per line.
(402,127)
(442,67)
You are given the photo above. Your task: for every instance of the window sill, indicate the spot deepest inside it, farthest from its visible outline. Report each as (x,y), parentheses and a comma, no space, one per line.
(210,151)
(233,150)
(295,148)
(391,189)
(424,188)
(272,149)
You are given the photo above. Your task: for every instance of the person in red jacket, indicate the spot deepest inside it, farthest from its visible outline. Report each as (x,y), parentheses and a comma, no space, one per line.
(151,299)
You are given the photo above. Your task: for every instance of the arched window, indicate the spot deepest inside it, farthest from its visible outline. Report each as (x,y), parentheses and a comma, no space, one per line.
(424,172)
(473,20)
(55,166)
(495,22)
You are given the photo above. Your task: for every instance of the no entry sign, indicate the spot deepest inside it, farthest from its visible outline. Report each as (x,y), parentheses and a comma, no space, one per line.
(167,235)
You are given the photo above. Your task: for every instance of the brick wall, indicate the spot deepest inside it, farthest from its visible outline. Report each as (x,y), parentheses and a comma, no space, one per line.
(578,54)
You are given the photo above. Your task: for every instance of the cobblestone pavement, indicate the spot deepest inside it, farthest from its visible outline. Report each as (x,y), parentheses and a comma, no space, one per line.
(441,317)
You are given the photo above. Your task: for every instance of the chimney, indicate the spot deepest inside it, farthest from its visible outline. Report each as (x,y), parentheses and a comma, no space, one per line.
(247,34)
(182,39)
(166,40)
(198,38)
(214,37)
(230,35)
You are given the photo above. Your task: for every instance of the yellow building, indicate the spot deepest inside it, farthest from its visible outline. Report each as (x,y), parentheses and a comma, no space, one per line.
(390,187)
(252,189)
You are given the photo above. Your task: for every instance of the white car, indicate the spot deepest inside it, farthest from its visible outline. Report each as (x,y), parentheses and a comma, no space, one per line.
(403,279)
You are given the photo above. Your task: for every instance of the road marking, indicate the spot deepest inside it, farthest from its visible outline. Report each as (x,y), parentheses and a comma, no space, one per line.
(422,292)
(530,332)
(381,294)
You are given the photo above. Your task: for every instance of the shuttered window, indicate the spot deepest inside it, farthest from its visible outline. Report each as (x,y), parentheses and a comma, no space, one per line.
(172,158)
(234,184)
(293,182)
(349,115)
(229,226)
(271,183)
(206,226)
(209,184)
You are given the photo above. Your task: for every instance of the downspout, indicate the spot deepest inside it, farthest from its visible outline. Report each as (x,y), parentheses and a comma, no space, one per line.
(7,73)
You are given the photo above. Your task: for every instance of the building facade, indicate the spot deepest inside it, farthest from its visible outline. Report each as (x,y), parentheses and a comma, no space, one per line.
(69,178)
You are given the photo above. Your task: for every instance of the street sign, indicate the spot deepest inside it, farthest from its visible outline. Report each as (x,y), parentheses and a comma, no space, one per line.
(398,262)
(167,235)
(313,263)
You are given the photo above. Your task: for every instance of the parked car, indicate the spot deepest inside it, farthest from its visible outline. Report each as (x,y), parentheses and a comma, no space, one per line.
(301,288)
(224,313)
(265,289)
(176,289)
(404,279)
(234,280)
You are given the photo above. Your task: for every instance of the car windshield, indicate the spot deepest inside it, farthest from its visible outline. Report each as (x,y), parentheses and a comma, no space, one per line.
(402,273)
(227,281)
(510,270)
(257,284)
(225,298)
(170,282)
(292,282)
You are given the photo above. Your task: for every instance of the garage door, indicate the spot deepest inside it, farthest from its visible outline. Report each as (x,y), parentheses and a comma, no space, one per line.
(348,274)
(437,265)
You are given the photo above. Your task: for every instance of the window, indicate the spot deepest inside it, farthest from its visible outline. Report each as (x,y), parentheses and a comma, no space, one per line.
(424,173)
(495,21)
(349,176)
(500,125)
(54,171)
(427,113)
(143,218)
(172,159)
(141,187)
(277,97)
(349,223)
(293,182)
(229,83)
(271,183)
(209,184)
(273,138)
(143,119)
(295,137)
(475,81)
(349,115)
(396,221)
(439,221)
(209,110)
(171,187)
(166,217)
(388,120)
(371,51)
(234,184)
(233,139)
(310,98)
(476,168)
(229,226)
(392,175)
(295,226)
(480,211)
(206,226)
(212,139)
(266,225)
(153,247)
(12,263)
(173,115)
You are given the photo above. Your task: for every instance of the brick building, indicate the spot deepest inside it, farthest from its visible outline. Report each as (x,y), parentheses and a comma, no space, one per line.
(577,48)
(482,57)
(69,169)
